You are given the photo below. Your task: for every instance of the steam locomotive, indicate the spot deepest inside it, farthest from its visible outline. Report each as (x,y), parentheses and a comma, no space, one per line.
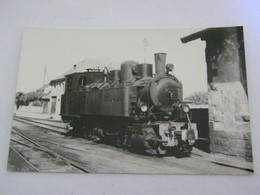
(138,109)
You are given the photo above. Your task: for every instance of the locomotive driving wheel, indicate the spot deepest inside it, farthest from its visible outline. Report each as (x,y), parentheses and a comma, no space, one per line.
(134,143)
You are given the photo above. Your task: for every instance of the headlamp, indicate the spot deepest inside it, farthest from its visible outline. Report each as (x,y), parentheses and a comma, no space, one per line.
(185,108)
(144,107)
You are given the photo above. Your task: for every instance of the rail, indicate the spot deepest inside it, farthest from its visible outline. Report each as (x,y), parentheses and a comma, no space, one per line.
(42,125)
(42,148)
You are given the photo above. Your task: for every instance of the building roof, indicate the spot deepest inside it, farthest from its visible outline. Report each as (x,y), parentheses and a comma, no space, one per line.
(203,34)
(81,67)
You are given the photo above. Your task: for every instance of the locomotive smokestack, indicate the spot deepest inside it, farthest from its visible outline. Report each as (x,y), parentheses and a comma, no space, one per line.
(160,61)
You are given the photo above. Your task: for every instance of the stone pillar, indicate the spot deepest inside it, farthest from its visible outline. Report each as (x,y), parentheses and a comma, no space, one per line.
(229,122)
(229,127)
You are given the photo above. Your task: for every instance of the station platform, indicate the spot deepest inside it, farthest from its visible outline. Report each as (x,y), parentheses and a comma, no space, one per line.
(37,115)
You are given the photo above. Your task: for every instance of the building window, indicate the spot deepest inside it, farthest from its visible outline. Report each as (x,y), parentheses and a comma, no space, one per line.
(82,81)
(70,83)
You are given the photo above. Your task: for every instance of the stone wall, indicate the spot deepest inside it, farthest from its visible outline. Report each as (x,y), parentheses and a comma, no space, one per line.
(229,122)
(233,143)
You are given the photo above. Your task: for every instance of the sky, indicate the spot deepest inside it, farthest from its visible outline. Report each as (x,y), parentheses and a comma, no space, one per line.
(59,50)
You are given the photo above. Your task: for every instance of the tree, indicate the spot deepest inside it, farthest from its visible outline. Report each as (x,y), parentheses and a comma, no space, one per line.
(23,99)
(20,99)
(198,98)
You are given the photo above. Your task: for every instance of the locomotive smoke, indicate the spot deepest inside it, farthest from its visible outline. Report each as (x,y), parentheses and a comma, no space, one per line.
(160,61)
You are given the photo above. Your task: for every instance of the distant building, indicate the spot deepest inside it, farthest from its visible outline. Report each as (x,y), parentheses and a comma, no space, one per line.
(46,99)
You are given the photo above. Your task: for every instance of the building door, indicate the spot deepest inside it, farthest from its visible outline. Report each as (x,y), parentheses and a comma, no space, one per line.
(53,104)
(45,106)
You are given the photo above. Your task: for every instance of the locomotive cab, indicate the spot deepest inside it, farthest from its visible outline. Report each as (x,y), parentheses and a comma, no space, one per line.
(77,83)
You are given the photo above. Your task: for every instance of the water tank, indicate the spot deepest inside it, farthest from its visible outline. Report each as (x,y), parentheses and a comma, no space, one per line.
(126,74)
(114,75)
(144,70)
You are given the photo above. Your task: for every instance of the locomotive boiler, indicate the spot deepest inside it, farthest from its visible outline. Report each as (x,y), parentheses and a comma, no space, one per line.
(138,109)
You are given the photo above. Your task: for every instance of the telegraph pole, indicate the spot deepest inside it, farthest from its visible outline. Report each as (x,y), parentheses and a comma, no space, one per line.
(44,75)
(145,42)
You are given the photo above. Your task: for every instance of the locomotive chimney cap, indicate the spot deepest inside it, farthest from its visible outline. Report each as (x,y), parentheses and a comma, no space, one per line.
(160,53)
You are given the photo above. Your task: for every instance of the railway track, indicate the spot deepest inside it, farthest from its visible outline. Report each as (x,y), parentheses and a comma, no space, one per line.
(24,159)
(223,161)
(47,126)
(29,143)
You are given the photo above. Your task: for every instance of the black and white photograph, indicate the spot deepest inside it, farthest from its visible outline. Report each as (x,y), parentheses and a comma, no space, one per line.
(144,101)
(110,97)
